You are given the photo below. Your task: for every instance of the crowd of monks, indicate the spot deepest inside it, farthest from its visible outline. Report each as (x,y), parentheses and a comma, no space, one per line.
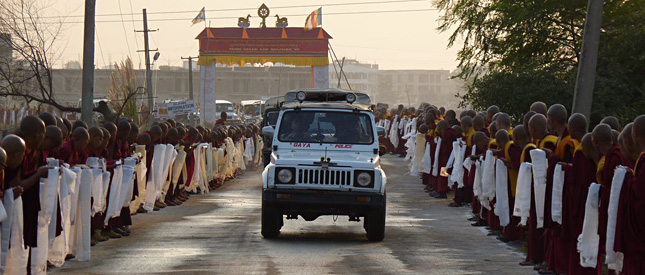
(576,198)
(68,186)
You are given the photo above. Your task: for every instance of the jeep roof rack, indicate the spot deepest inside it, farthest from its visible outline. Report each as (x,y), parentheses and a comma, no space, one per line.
(327,95)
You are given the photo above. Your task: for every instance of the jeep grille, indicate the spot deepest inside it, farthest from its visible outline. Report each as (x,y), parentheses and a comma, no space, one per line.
(331,176)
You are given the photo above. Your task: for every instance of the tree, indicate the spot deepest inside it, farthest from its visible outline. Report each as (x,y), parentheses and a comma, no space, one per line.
(26,72)
(530,45)
(123,89)
(31,40)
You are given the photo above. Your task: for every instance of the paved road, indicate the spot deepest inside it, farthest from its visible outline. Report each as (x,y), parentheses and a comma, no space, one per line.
(219,233)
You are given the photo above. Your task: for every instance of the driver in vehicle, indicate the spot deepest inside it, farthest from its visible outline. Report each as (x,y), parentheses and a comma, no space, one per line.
(298,131)
(352,132)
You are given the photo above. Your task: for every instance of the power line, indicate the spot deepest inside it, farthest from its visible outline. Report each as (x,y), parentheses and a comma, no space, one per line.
(251,8)
(125,33)
(296,15)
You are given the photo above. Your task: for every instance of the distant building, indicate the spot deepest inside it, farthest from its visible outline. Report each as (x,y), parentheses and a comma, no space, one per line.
(398,86)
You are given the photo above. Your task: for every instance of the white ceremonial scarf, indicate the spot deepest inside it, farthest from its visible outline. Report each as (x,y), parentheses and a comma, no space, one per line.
(457,174)
(59,248)
(6,225)
(417,160)
(523,193)
(540,165)
(106,184)
(589,239)
(501,188)
(614,259)
(83,214)
(48,194)
(410,145)
(427,162)
(114,207)
(97,191)
(556,194)
(155,175)
(479,174)
(179,163)
(127,184)
(488,180)
(435,163)
(16,257)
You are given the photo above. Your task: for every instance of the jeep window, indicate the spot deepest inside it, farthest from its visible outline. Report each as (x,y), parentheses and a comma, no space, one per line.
(326,127)
(272,118)
(224,107)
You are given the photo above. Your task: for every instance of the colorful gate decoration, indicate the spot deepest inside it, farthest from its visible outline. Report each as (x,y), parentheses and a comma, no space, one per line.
(291,46)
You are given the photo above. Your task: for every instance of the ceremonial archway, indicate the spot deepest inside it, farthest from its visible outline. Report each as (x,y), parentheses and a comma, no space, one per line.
(292,46)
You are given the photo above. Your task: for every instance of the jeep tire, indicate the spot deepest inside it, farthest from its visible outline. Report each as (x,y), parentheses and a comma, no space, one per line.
(374,224)
(271,222)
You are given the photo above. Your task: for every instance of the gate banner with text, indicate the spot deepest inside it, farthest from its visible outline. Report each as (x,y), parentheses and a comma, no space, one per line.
(292,46)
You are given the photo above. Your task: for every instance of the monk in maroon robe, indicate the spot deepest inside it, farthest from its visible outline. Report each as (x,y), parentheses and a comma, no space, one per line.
(448,136)
(611,158)
(630,229)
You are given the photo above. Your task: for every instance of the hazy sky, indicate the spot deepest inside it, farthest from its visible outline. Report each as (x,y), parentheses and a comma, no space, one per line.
(405,37)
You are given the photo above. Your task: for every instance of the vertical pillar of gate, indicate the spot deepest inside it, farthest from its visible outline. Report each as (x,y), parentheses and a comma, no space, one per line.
(320,77)
(207,115)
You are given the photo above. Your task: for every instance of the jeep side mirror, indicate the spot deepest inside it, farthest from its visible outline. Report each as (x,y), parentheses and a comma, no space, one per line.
(268,131)
(380,131)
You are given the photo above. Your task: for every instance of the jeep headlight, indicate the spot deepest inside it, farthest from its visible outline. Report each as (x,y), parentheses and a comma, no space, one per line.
(364,179)
(285,175)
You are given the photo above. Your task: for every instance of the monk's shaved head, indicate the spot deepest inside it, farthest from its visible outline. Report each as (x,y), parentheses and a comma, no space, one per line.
(525,120)
(612,121)
(493,127)
(638,133)
(80,134)
(481,140)
(491,111)
(601,138)
(519,136)
(588,149)
(503,121)
(577,126)
(3,159)
(539,107)
(32,130)
(626,142)
(501,136)
(467,122)
(557,115)
(48,119)
(538,126)
(143,139)
(15,148)
(614,136)
(442,125)
(53,138)
(479,122)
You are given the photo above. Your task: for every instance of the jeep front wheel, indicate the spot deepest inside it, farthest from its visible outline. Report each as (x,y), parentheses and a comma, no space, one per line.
(271,222)
(375,224)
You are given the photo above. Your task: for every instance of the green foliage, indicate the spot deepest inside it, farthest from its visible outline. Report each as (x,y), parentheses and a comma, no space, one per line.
(517,52)
(513,92)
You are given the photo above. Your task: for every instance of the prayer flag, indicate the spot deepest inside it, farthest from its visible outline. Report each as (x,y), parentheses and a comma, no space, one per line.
(201,16)
(314,20)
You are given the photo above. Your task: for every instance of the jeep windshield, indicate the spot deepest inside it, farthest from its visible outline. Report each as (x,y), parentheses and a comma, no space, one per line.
(326,127)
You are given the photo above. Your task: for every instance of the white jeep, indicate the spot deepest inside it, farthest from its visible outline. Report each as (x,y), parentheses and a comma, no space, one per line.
(324,161)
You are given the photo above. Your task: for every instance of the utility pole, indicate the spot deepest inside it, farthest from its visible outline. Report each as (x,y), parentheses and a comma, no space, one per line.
(87,98)
(583,96)
(151,98)
(190,84)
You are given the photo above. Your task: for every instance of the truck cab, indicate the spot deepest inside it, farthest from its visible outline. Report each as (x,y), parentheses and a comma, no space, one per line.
(324,161)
